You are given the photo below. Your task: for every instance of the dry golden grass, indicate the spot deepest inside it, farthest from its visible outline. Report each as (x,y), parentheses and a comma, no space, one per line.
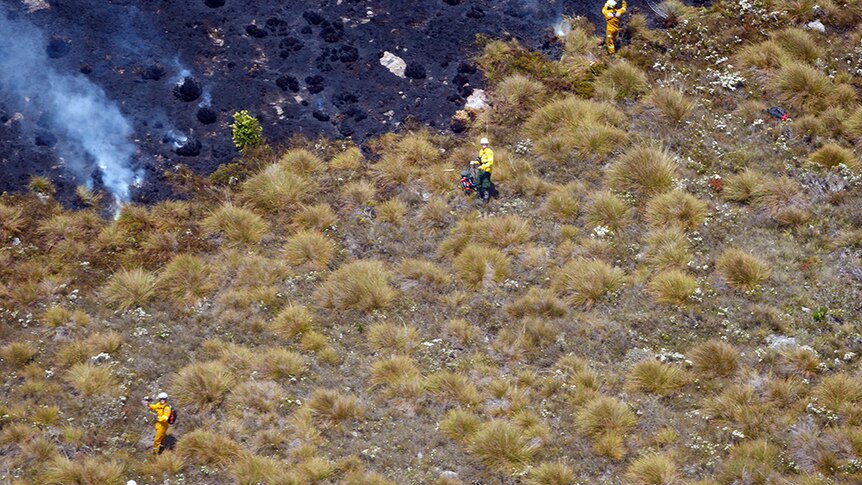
(275,188)
(450,387)
(332,407)
(742,270)
(311,249)
(564,203)
(653,469)
(398,375)
(477,265)
(202,384)
(502,446)
(537,303)
(423,271)
(643,170)
(841,394)
(655,377)
(314,217)
(517,96)
(668,249)
(459,424)
(88,470)
(18,354)
(130,288)
(801,87)
(751,462)
(551,474)
(571,123)
(238,225)
(672,104)
(673,287)
(360,285)
(678,209)
(852,124)
(203,447)
(585,281)
(90,380)
(462,332)
(743,186)
(186,279)
(416,150)
(504,231)
(12,221)
(391,211)
(606,420)
(253,470)
(715,358)
(350,159)
(798,44)
(301,161)
(832,155)
(390,338)
(255,398)
(279,363)
(764,55)
(623,79)
(608,210)
(358,193)
(292,320)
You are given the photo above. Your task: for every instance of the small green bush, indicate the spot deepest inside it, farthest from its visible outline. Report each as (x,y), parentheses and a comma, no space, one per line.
(247,132)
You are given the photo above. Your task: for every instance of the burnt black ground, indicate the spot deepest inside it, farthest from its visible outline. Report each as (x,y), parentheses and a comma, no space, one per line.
(300,67)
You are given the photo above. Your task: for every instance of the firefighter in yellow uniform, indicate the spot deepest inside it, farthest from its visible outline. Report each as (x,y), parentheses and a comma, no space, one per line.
(163,413)
(612,15)
(486,165)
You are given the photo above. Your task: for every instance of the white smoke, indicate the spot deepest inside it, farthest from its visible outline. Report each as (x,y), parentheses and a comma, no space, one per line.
(93,133)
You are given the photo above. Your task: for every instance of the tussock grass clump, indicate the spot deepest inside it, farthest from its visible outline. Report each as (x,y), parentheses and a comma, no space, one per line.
(672,104)
(358,193)
(237,224)
(302,161)
(392,338)
(564,203)
(668,249)
(798,44)
(279,363)
(715,358)
(12,221)
(275,188)
(608,210)
(90,380)
(416,150)
(399,375)
(423,271)
(314,217)
(801,87)
(504,232)
(186,279)
(606,420)
(477,264)
(350,159)
(676,208)
(391,211)
(459,424)
(450,387)
(537,302)
(251,469)
(572,123)
(130,288)
(551,474)
(518,95)
(585,281)
(764,55)
(852,124)
(840,393)
(203,447)
(502,446)
(86,470)
(624,79)
(673,287)
(777,194)
(743,186)
(462,332)
(751,462)
(17,354)
(292,320)
(332,407)
(643,170)
(360,285)
(742,270)
(435,212)
(309,248)
(655,377)
(653,469)
(255,397)
(202,384)
(832,155)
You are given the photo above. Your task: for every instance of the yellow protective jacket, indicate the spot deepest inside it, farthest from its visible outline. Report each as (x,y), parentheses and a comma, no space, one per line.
(612,15)
(486,159)
(163,412)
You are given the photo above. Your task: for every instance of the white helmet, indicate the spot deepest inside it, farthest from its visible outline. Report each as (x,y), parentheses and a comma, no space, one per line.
(611,4)
(163,395)
(483,141)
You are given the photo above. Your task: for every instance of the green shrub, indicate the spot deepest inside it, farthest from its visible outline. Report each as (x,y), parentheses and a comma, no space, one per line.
(247,132)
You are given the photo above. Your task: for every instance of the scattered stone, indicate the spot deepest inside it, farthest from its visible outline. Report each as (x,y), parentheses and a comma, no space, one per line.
(477,101)
(101,358)
(415,71)
(816,26)
(36,5)
(188,90)
(207,116)
(780,341)
(58,47)
(395,64)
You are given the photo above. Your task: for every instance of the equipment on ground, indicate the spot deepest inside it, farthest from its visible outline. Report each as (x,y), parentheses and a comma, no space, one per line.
(778,113)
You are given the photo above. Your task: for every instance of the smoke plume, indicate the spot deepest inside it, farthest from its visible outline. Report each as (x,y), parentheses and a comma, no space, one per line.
(93,133)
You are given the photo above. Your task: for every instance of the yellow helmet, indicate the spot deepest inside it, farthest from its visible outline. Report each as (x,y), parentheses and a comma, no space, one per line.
(611,4)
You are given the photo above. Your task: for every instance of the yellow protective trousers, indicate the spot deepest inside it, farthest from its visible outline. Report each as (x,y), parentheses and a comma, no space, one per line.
(161,431)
